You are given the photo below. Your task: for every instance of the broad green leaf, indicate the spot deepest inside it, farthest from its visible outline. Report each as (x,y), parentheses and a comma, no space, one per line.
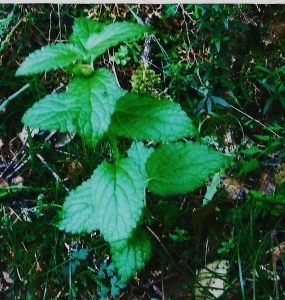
(182,167)
(83,28)
(139,154)
(49,58)
(86,107)
(131,255)
(110,201)
(52,113)
(112,35)
(142,117)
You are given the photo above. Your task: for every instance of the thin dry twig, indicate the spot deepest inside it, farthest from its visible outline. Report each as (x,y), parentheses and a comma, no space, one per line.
(150,230)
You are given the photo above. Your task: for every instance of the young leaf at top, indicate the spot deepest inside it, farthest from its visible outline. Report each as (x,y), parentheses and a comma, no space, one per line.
(111,201)
(182,167)
(113,34)
(143,117)
(49,58)
(83,28)
(131,255)
(139,154)
(86,107)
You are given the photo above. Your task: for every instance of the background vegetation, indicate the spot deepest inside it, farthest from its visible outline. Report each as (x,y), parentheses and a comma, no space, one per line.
(224,65)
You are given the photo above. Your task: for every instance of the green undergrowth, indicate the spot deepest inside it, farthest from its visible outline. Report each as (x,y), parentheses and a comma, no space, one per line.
(123,178)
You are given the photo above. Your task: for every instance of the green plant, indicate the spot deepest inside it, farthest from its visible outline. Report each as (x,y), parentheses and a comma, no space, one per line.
(74,261)
(273,83)
(227,246)
(204,60)
(115,284)
(4,23)
(248,246)
(144,80)
(102,271)
(114,198)
(121,56)
(178,235)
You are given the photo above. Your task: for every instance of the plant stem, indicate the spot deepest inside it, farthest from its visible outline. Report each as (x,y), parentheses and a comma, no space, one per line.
(255,121)
(4,104)
(113,142)
(3,43)
(31,147)
(240,271)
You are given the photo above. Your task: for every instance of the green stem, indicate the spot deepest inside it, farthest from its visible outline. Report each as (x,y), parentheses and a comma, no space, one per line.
(261,124)
(2,45)
(69,277)
(15,188)
(31,147)
(113,141)
(4,104)
(240,270)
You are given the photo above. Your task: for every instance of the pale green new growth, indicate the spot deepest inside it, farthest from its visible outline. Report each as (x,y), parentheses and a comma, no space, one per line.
(111,201)
(89,40)
(182,167)
(82,30)
(143,117)
(86,107)
(112,35)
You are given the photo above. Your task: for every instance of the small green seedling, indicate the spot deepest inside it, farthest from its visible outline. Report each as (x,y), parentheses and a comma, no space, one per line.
(94,106)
